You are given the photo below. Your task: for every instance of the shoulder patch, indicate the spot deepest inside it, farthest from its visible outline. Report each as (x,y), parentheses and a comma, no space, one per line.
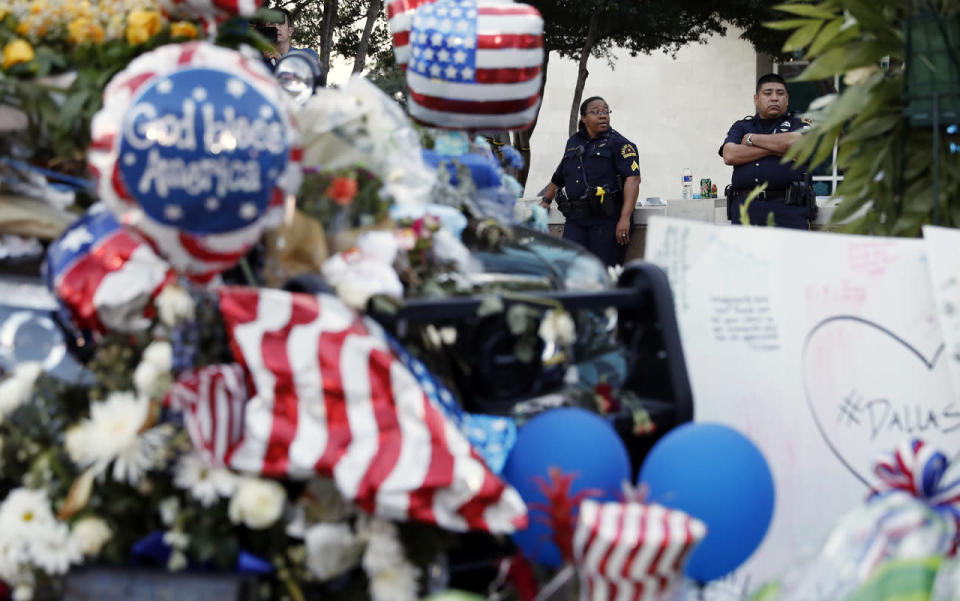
(747,118)
(627,150)
(806,121)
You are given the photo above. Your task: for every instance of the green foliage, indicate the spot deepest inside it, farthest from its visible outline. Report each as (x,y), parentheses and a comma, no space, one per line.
(888,163)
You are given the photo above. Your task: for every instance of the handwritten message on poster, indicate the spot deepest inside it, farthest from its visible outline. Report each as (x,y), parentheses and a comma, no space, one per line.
(825,349)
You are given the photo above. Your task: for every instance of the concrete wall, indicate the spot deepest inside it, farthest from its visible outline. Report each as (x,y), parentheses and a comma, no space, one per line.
(677,111)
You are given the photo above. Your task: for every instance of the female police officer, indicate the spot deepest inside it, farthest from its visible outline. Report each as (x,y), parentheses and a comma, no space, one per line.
(596,184)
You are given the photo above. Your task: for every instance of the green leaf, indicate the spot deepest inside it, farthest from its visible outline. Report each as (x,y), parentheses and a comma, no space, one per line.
(873,127)
(789,24)
(802,36)
(826,65)
(825,10)
(827,35)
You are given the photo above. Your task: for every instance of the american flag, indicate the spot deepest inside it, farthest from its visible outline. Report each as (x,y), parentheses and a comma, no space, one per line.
(330,398)
(631,551)
(399,15)
(103,275)
(475,64)
(201,198)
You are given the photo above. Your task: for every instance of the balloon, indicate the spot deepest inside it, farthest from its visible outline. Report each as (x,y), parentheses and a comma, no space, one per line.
(399,15)
(584,447)
(195,149)
(717,475)
(475,64)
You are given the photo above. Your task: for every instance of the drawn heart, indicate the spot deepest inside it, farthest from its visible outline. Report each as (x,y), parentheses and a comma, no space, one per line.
(869,390)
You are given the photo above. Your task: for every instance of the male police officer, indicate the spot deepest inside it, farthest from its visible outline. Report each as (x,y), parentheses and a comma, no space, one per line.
(755,147)
(596,184)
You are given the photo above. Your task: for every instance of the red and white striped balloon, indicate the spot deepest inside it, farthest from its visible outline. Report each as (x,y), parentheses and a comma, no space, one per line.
(632,550)
(475,64)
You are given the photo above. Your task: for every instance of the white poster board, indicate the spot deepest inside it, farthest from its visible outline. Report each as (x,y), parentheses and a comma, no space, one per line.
(824,349)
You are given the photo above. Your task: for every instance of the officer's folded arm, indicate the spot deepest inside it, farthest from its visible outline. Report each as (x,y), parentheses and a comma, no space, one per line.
(776,143)
(741,154)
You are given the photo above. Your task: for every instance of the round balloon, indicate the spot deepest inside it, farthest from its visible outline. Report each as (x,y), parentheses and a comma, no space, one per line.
(715,474)
(195,149)
(475,64)
(562,456)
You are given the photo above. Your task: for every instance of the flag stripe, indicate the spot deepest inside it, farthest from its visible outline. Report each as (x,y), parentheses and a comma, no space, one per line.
(497,41)
(470,121)
(469,91)
(470,107)
(388,449)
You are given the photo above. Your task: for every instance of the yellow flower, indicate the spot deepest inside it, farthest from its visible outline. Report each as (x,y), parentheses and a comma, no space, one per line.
(84,30)
(142,25)
(17,51)
(183,29)
(23,28)
(3,12)
(38,7)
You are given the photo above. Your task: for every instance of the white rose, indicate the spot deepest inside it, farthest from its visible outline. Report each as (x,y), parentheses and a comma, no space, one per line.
(91,533)
(177,561)
(332,549)
(169,510)
(22,592)
(353,294)
(174,305)
(557,327)
(384,550)
(257,504)
(159,353)
(397,583)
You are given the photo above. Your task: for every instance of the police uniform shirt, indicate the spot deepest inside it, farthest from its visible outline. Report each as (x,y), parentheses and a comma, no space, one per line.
(769,168)
(604,158)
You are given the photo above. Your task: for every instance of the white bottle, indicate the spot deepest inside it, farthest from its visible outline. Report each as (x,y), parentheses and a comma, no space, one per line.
(686,192)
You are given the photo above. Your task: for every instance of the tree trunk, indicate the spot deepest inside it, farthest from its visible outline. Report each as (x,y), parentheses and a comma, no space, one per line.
(373,11)
(582,72)
(326,39)
(521,139)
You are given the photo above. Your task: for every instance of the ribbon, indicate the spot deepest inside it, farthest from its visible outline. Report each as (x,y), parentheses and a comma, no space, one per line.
(919,469)
(601,193)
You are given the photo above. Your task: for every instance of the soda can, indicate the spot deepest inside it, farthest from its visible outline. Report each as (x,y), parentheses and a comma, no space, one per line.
(705,187)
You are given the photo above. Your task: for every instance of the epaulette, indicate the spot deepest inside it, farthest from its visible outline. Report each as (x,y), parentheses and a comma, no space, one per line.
(747,118)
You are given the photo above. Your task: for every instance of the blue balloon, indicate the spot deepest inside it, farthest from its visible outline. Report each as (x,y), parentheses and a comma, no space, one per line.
(717,475)
(579,443)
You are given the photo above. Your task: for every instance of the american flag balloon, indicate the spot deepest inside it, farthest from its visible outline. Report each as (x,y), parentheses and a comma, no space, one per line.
(399,16)
(632,550)
(330,398)
(475,64)
(195,148)
(103,275)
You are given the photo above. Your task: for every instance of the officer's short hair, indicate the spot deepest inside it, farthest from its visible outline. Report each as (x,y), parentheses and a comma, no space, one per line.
(770,78)
(586,103)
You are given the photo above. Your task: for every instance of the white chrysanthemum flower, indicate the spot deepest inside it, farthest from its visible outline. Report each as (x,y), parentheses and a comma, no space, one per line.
(53,550)
(91,533)
(13,556)
(152,378)
(332,549)
(112,434)
(16,389)
(24,512)
(384,550)
(174,306)
(257,504)
(177,561)
(158,353)
(22,592)
(557,327)
(169,509)
(178,539)
(397,583)
(206,484)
